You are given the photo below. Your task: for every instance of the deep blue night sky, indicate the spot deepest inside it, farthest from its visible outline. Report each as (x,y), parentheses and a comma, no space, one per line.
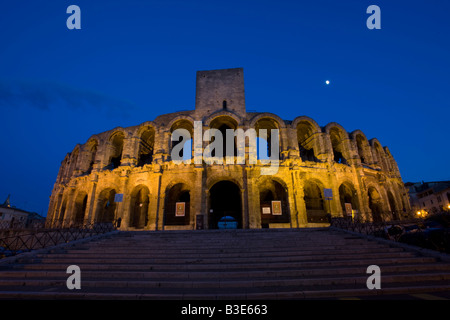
(134,60)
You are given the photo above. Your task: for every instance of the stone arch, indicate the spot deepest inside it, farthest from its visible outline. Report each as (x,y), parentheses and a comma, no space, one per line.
(139,205)
(73,161)
(116,141)
(309,120)
(80,205)
(214,179)
(394,207)
(62,210)
(91,148)
(378,152)
(348,194)
(106,206)
(223,114)
(185,123)
(306,139)
(146,135)
(339,142)
(175,194)
(269,116)
(314,201)
(224,123)
(272,193)
(268,122)
(225,200)
(375,204)
(362,146)
(64,169)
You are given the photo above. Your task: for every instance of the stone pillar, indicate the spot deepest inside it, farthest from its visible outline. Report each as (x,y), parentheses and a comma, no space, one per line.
(125,212)
(245,217)
(199,197)
(91,201)
(299,194)
(253,201)
(130,152)
(68,216)
(123,208)
(207,204)
(160,196)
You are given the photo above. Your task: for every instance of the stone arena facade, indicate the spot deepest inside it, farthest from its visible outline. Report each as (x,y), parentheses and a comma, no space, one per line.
(128,173)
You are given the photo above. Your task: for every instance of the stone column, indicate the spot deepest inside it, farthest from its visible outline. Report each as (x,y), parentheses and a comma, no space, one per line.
(300,200)
(253,201)
(91,200)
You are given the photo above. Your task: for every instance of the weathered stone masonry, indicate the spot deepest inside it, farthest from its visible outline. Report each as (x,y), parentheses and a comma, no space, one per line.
(136,162)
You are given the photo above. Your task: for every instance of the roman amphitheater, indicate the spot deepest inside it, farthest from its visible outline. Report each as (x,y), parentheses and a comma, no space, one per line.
(323,172)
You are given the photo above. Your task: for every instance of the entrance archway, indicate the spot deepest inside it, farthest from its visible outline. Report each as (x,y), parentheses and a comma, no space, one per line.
(347,194)
(314,202)
(106,206)
(225,200)
(139,207)
(177,206)
(274,203)
(375,205)
(80,208)
(392,205)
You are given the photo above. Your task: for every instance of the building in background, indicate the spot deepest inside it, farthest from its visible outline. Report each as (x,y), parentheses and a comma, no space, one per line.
(429,197)
(12,217)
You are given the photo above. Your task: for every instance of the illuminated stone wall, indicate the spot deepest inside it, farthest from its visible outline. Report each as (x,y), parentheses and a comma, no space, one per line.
(136,162)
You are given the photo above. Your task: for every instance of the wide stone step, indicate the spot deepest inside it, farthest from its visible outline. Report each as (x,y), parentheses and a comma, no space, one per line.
(236,285)
(281,295)
(226,247)
(205,255)
(224,267)
(263,274)
(195,260)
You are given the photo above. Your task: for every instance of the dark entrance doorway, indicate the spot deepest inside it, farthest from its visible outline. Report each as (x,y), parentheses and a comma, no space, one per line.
(225,200)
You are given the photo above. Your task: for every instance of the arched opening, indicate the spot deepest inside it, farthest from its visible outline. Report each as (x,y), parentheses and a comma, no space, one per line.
(380,156)
(116,150)
(92,148)
(393,206)
(315,209)
(375,205)
(305,139)
(146,145)
(223,123)
(337,143)
(186,149)
(73,162)
(80,207)
(62,211)
(139,207)
(266,149)
(348,199)
(362,146)
(225,201)
(106,206)
(274,203)
(177,205)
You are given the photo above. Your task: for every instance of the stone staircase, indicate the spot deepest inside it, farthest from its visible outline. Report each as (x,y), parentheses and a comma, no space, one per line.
(227,264)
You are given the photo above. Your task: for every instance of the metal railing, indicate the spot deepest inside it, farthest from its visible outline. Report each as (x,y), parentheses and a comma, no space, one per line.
(15,241)
(427,234)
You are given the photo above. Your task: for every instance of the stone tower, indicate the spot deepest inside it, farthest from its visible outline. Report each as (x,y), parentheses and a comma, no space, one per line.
(220,90)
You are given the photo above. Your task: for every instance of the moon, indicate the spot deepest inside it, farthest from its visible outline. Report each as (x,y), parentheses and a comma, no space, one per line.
(327,82)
